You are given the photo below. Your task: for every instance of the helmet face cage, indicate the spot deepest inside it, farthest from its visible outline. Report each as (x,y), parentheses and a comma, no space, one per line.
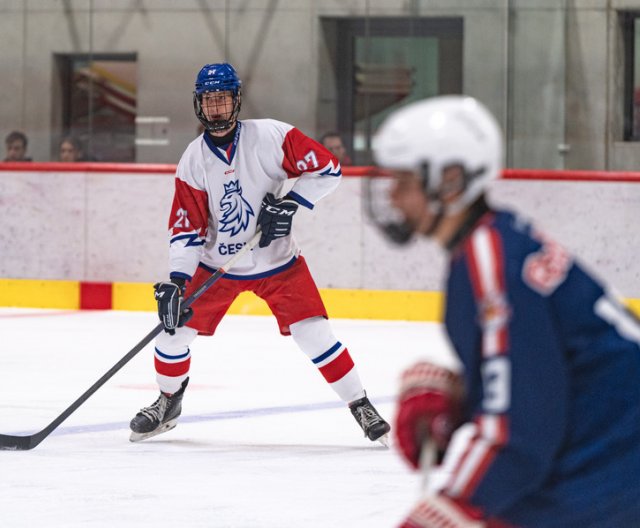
(380,210)
(217,78)
(387,218)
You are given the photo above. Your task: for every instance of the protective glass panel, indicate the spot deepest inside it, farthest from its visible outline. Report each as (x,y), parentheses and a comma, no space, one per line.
(98,107)
(389,73)
(635,133)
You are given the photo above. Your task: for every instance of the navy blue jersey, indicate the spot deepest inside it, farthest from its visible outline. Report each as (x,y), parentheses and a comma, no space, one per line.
(552,372)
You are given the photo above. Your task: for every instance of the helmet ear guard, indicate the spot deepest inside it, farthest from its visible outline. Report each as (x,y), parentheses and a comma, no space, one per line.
(452,190)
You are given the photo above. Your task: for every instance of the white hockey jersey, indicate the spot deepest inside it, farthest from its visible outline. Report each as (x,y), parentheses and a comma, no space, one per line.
(219,192)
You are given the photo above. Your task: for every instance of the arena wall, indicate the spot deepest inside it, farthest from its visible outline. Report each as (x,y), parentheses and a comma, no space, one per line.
(107,225)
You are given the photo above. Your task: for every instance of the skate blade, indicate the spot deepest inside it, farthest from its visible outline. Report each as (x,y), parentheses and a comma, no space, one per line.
(138,437)
(384,440)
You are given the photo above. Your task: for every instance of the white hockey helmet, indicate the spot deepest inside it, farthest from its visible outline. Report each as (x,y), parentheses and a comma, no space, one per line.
(430,135)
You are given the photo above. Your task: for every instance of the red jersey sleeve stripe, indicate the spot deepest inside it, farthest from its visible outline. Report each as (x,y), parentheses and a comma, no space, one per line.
(486,263)
(190,210)
(491,435)
(302,154)
(486,270)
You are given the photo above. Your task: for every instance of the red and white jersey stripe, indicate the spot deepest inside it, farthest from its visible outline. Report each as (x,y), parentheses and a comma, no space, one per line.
(485,258)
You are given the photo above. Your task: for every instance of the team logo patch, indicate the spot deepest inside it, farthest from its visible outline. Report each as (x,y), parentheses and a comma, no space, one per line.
(547,268)
(494,312)
(236,211)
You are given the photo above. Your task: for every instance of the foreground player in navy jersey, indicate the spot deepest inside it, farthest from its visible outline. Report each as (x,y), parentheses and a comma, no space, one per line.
(228,183)
(542,426)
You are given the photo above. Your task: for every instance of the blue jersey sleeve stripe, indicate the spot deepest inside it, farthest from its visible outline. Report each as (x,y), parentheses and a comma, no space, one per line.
(193,239)
(300,199)
(332,170)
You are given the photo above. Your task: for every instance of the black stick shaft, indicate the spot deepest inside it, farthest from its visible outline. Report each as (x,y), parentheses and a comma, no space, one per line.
(22,443)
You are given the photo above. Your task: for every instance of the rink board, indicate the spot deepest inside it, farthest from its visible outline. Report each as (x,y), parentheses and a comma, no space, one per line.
(342,303)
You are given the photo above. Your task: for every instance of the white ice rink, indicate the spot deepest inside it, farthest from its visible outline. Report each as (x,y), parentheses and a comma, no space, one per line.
(262,442)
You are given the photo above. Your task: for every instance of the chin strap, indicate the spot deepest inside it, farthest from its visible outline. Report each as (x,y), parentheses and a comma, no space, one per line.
(476,211)
(435,223)
(221,124)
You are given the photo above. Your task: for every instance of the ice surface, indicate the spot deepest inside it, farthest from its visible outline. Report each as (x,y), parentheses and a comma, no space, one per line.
(263,442)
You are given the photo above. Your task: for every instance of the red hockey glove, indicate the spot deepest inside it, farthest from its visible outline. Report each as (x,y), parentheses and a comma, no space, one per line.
(429,409)
(442,512)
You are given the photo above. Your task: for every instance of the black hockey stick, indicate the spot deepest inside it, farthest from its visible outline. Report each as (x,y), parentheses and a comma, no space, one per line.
(23,443)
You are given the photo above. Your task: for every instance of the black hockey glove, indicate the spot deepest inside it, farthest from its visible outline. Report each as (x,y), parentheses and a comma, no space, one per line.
(275,218)
(169,296)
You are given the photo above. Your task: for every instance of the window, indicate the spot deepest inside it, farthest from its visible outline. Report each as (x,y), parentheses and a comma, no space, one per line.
(384,63)
(631,35)
(97,96)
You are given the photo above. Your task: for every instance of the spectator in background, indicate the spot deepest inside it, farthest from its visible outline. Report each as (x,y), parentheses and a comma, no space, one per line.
(71,150)
(332,141)
(16,143)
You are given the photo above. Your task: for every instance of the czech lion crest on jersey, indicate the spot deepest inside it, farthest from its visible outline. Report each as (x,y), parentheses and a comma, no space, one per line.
(236,211)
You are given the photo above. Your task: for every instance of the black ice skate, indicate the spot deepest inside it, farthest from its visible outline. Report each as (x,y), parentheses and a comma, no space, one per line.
(373,425)
(160,417)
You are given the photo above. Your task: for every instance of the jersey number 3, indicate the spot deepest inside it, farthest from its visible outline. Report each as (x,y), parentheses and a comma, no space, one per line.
(496,382)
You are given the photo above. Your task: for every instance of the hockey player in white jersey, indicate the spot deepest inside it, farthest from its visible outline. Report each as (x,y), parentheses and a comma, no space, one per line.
(228,184)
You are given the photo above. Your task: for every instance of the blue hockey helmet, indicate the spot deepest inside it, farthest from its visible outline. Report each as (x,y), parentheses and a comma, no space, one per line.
(219,77)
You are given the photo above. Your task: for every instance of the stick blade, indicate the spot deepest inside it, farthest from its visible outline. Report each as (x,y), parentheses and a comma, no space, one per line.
(17,443)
